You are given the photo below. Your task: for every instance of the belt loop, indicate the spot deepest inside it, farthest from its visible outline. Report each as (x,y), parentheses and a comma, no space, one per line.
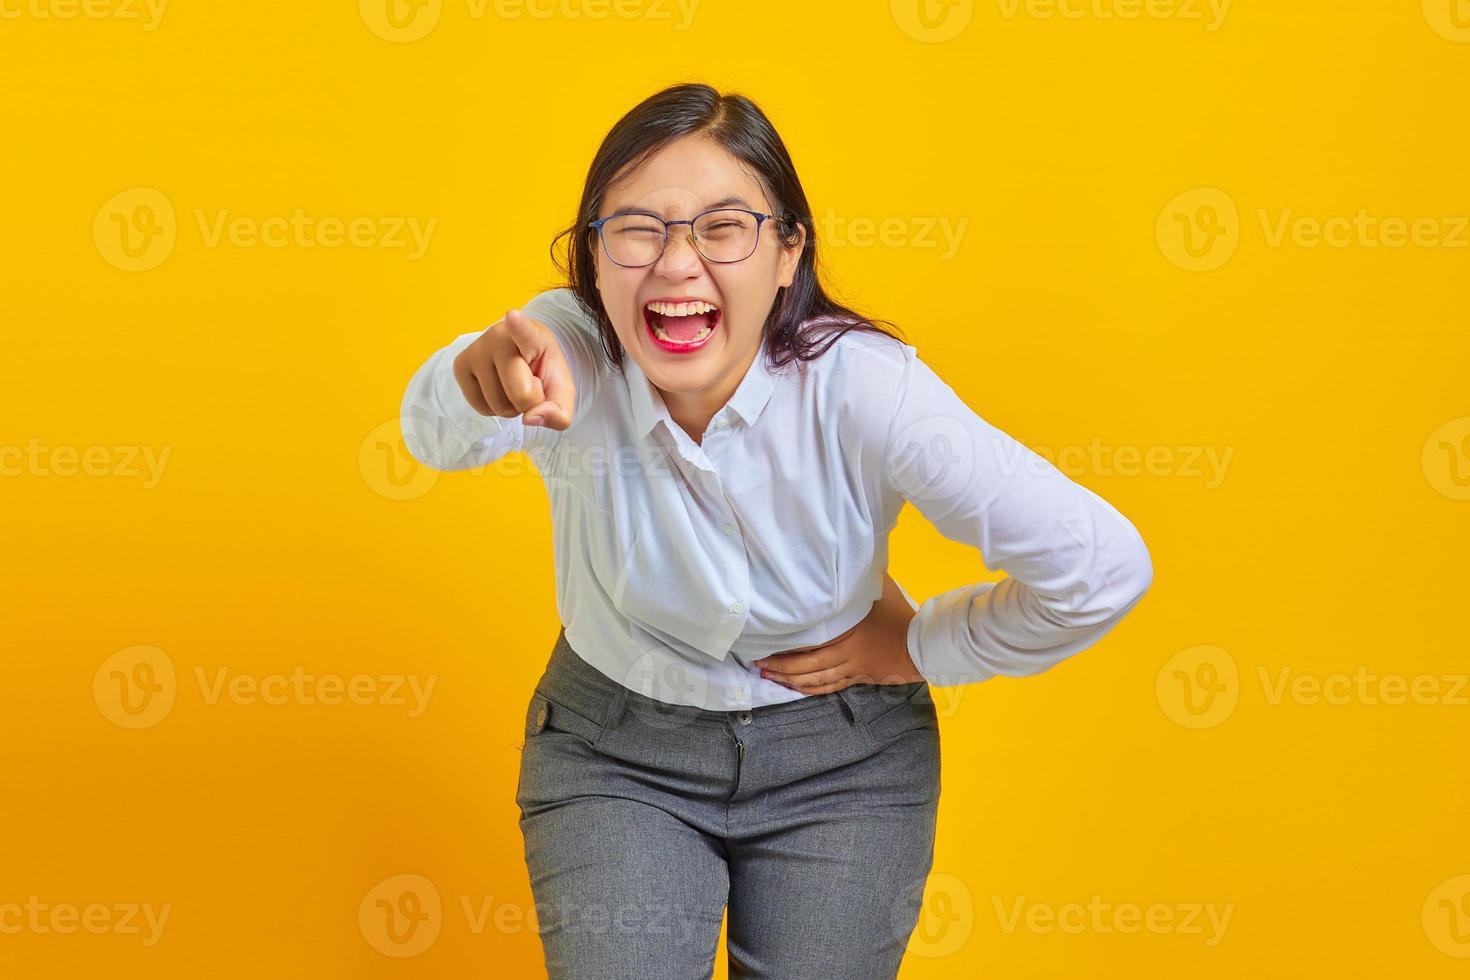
(615,707)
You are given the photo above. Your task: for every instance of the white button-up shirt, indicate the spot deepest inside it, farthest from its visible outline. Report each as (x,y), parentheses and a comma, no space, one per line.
(678,563)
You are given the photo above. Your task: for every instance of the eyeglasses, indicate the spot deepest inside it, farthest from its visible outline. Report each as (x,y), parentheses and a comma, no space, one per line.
(722,235)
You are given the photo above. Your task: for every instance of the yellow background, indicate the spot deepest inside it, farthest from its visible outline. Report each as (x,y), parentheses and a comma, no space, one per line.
(1165,767)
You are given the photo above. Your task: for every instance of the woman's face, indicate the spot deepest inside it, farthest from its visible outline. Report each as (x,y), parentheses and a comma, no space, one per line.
(686,177)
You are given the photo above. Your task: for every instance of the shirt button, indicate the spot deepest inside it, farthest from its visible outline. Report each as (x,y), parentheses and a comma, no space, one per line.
(730,529)
(738,608)
(721,422)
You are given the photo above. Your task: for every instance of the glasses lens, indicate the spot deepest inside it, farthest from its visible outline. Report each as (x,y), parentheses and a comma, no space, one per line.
(633,239)
(726,236)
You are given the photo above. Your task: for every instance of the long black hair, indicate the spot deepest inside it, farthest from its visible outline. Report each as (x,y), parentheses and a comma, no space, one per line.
(802,315)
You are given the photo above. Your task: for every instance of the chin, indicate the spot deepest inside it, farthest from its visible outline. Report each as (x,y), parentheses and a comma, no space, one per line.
(681,378)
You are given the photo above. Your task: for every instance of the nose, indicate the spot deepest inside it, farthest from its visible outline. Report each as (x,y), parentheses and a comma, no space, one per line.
(681,259)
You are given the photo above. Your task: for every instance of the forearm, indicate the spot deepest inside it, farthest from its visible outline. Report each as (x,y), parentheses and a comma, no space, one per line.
(440,428)
(1009,627)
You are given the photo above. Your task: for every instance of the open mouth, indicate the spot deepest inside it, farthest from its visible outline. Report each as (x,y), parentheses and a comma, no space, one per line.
(681,327)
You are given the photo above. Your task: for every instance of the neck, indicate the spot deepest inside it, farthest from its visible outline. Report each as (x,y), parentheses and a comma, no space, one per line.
(693,410)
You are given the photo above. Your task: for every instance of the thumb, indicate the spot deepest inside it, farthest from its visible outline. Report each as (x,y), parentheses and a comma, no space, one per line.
(539,346)
(523,330)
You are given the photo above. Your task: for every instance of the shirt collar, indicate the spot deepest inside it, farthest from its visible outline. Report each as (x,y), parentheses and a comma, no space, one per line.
(750,397)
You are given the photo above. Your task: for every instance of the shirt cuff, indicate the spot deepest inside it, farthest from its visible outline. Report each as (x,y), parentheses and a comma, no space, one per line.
(935,654)
(441,429)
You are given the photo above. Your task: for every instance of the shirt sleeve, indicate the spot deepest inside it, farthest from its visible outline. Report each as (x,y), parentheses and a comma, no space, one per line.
(440,428)
(1075,566)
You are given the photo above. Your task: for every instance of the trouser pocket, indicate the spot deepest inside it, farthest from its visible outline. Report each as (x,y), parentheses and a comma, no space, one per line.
(546,716)
(904,708)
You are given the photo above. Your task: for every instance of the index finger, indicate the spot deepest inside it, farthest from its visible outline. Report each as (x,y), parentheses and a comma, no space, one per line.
(802,661)
(810,649)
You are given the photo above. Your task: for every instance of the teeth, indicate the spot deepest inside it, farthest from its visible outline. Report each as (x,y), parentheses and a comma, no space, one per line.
(663,335)
(681,309)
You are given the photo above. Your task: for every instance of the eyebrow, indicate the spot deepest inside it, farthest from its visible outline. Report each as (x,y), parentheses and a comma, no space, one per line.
(724,202)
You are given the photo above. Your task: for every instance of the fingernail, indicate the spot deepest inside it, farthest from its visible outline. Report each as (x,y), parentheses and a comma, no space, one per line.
(764,674)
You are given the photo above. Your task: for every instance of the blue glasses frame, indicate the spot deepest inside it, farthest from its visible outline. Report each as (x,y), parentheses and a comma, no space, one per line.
(760,220)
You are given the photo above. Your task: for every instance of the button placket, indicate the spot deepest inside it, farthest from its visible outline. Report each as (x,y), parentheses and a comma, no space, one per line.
(739,691)
(739,563)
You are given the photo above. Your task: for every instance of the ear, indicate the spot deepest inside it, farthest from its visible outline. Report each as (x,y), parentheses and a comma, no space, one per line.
(790,258)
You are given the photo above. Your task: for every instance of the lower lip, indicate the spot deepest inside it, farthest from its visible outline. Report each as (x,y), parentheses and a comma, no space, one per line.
(674,347)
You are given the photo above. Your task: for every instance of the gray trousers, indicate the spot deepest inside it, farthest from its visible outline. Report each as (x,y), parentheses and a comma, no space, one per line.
(812,820)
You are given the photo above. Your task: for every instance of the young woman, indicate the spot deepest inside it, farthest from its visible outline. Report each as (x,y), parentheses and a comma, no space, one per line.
(737,709)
